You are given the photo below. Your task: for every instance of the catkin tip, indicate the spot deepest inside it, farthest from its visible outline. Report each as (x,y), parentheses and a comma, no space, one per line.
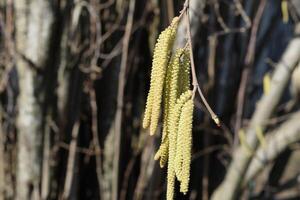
(157,155)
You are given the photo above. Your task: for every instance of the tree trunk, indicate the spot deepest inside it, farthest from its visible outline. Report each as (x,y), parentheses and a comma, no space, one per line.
(34,20)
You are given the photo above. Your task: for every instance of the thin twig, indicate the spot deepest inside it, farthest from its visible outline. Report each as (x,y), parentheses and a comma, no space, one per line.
(82,150)
(210,149)
(219,16)
(96,144)
(71,162)
(126,178)
(246,72)
(242,29)
(120,97)
(193,68)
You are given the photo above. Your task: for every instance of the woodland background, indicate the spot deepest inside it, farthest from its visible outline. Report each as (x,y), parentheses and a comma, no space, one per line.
(74,75)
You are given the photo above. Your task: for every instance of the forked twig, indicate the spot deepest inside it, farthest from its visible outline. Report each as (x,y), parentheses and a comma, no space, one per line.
(195,83)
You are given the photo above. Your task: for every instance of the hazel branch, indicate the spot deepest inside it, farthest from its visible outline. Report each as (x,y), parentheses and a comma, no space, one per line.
(195,83)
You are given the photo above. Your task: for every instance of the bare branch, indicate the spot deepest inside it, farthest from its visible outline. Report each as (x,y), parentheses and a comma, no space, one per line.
(265,108)
(71,162)
(120,97)
(277,141)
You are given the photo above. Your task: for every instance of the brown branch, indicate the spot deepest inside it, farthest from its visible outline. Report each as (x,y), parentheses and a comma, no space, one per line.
(246,72)
(86,151)
(120,97)
(277,141)
(268,103)
(219,17)
(96,144)
(71,162)
(242,29)
(195,83)
(127,174)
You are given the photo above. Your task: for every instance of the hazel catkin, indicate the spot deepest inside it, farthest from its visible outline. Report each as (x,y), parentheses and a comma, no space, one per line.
(184,78)
(174,120)
(159,66)
(170,96)
(170,90)
(185,130)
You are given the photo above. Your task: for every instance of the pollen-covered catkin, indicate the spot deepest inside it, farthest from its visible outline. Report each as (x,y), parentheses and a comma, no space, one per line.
(162,152)
(183,140)
(184,81)
(161,56)
(174,120)
(185,129)
(170,96)
(147,115)
(166,99)
(179,157)
(174,81)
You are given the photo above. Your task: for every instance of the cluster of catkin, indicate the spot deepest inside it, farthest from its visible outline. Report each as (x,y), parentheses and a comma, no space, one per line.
(170,90)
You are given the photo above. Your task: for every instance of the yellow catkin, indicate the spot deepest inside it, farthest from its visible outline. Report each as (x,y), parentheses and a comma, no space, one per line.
(171,88)
(159,66)
(166,99)
(180,147)
(174,82)
(179,157)
(147,115)
(162,152)
(174,120)
(185,129)
(170,96)
(184,85)
(161,58)
(184,79)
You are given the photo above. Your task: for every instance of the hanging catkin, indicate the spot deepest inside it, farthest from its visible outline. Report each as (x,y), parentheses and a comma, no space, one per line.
(170,96)
(162,152)
(159,66)
(184,78)
(170,86)
(174,120)
(185,131)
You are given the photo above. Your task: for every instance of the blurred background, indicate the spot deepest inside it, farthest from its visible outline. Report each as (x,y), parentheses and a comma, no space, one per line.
(74,76)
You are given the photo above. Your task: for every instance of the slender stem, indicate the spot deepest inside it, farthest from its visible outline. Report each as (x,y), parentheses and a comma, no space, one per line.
(247,70)
(120,101)
(195,82)
(185,7)
(194,76)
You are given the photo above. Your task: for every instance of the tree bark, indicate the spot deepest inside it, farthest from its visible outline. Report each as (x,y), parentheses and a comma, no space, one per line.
(34,20)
